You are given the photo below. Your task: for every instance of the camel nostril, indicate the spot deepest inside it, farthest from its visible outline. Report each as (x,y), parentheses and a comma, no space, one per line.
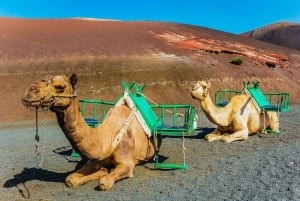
(34,88)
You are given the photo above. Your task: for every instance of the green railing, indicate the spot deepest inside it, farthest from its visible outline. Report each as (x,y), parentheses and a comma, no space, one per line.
(174,119)
(134,93)
(282,100)
(275,101)
(94,111)
(224,96)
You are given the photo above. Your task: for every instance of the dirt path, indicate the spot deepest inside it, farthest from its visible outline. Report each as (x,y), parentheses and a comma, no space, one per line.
(265,167)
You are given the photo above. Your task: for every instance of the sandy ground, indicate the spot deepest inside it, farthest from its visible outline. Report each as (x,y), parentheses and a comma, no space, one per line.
(265,167)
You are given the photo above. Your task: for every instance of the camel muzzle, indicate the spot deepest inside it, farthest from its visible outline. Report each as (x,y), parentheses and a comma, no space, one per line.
(30,103)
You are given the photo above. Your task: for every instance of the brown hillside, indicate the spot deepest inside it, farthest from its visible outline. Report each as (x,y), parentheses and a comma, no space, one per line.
(167,57)
(284,34)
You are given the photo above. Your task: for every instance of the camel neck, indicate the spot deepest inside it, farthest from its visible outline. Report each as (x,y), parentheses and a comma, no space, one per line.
(214,114)
(81,136)
(73,124)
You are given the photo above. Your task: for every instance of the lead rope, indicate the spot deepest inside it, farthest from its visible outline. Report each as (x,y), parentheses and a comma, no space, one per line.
(39,164)
(37,137)
(183,148)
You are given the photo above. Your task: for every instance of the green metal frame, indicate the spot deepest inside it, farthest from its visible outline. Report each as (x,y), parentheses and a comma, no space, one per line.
(172,121)
(223,97)
(277,102)
(282,100)
(272,101)
(94,120)
(165,119)
(135,93)
(176,119)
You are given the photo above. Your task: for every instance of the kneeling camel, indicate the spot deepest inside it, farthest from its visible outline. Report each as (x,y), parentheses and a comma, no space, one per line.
(113,148)
(237,120)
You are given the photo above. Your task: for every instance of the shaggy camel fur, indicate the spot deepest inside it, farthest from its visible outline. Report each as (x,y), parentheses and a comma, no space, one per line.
(106,163)
(238,119)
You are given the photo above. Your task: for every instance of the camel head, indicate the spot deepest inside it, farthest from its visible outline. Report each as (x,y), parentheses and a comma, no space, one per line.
(52,92)
(200,90)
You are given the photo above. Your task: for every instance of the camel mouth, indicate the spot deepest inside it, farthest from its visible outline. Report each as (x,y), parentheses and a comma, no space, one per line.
(31,103)
(193,96)
(35,103)
(195,89)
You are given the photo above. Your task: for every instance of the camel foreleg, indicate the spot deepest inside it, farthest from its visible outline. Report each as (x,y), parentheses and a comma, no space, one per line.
(213,136)
(92,170)
(122,171)
(238,135)
(274,121)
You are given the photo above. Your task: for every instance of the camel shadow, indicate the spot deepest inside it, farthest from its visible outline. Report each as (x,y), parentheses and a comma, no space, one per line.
(67,152)
(202,132)
(30,174)
(199,133)
(63,151)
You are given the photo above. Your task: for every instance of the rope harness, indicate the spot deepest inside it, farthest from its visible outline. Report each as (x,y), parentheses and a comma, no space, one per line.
(45,109)
(124,129)
(37,137)
(54,96)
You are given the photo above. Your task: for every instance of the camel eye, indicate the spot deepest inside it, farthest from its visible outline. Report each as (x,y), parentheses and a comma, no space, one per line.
(60,88)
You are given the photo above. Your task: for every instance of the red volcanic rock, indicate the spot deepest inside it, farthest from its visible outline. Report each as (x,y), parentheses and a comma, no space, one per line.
(195,43)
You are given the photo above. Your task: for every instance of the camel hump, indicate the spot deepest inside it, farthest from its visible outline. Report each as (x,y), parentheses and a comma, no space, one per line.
(132,97)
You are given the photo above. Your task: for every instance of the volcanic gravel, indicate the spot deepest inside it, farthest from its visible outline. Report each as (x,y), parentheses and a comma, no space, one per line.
(264,167)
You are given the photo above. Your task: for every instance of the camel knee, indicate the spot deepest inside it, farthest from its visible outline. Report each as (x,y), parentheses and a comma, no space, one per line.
(274,121)
(73,180)
(121,171)
(106,183)
(274,125)
(237,136)
(77,179)
(212,137)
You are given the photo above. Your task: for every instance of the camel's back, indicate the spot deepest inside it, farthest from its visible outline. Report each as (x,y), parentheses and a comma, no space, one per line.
(117,117)
(241,101)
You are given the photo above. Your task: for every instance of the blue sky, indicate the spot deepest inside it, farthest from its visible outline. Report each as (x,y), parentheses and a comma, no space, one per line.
(239,16)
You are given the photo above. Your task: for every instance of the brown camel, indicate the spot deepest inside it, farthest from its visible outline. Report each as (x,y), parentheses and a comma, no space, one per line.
(113,148)
(238,119)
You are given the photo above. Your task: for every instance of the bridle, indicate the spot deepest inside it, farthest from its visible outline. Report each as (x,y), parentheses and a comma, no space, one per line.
(53,97)
(45,108)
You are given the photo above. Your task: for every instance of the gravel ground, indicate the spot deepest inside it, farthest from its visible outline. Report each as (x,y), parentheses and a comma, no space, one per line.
(265,167)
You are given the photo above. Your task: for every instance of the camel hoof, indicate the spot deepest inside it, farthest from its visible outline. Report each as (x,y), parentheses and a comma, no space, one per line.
(264,132)
(227,139)
(72,181)
(105,183)
(209,138)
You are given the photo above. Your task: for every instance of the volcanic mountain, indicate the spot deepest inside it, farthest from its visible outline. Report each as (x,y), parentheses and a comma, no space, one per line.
(167,57)
(282,33)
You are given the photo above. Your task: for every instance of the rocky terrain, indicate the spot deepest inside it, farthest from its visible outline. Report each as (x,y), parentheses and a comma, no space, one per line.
(282,33)
(168,58)
(264,167)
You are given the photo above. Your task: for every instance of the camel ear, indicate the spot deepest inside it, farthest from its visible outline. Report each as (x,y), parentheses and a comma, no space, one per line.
(73,80)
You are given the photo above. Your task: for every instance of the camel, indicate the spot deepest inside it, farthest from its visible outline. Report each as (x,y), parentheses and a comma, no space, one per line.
(112,149)
(237,120)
